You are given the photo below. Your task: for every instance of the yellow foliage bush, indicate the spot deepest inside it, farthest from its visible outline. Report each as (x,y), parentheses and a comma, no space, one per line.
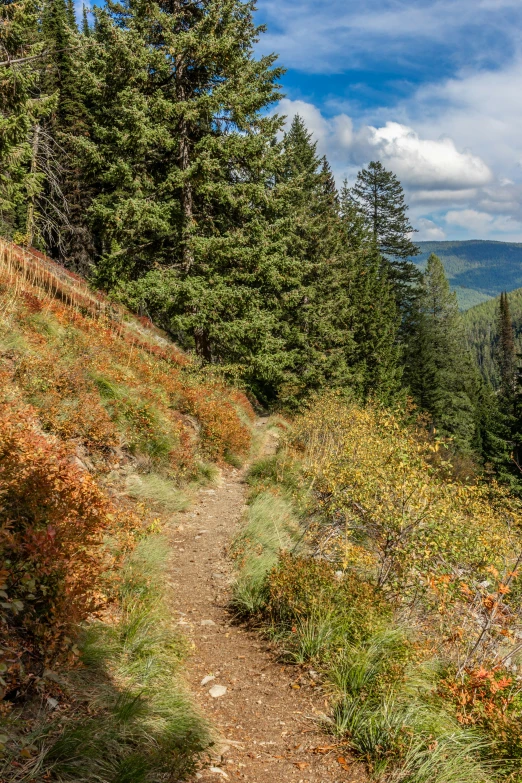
(382,508)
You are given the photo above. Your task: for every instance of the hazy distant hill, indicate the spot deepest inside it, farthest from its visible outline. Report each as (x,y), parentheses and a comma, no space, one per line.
(480,323)
(477,270)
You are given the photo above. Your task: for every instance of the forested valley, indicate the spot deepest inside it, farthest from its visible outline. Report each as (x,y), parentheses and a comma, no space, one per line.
(175,260)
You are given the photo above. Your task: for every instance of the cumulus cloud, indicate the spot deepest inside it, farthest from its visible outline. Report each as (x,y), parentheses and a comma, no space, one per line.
(479,109)
(427,163)
(482,222)
(428,230)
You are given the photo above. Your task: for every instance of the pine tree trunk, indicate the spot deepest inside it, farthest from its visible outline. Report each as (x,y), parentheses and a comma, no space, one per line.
(202,344)
(29,230)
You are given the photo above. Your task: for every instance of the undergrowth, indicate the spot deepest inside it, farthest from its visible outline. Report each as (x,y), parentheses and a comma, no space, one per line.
(132,721)
(399,584)
(105,426)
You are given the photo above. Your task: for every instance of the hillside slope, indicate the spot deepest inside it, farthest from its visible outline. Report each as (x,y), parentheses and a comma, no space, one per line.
(477,270)
(106,429)
(480,323)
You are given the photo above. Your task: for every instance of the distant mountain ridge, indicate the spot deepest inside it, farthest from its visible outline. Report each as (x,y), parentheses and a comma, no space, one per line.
(478,270)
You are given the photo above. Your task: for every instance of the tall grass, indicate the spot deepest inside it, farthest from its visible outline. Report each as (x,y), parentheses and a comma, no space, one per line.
(155,489)
(137,723)
(271,527)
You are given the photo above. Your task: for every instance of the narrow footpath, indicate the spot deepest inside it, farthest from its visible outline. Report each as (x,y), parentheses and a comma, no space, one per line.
(266,714)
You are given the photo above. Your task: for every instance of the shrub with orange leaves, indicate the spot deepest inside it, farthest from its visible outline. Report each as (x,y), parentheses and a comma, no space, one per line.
(80,376)
(68,402)
(52,520)
(222,430)
(489,699)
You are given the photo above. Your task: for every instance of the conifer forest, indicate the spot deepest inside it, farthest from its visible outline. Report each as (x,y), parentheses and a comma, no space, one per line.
(191,301)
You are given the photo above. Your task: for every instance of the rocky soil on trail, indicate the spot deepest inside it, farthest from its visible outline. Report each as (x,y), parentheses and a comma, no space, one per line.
(266,715)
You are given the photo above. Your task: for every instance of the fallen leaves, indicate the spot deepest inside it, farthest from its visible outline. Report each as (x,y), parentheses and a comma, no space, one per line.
(343,763)
(322,750)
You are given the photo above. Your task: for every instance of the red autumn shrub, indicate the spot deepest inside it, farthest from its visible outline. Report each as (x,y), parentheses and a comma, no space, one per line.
(52,520)
(222,431)
(68,402)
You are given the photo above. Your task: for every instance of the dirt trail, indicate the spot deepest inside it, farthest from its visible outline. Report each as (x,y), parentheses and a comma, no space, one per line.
(267,719)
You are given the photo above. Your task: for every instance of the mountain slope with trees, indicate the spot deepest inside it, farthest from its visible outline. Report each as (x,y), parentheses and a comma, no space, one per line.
(478,270)
(153,166)
(482,331)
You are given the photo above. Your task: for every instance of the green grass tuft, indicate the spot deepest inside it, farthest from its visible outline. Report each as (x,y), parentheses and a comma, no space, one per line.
(271,529)
(208,474)
(141,726)
(157,490)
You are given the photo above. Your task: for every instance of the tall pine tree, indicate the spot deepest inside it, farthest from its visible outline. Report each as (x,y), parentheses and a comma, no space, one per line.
(506,355)
(185,217)
(380,198)
(439,370)
(374,319)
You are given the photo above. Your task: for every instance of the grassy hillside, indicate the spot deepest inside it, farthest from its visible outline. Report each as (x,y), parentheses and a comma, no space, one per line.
(104,428)
(480,323)
(477,270)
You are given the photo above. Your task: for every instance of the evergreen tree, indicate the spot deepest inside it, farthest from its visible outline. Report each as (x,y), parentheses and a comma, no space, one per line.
(86,30)
(439,371)
(373,317)
(23,105)
(380,198)
(329,187)
(509,397)
(342,312)
(307,197)
(62,208)
(186,216)
(506,357)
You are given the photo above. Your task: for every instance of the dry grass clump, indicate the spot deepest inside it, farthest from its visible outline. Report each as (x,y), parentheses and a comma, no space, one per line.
(157,490)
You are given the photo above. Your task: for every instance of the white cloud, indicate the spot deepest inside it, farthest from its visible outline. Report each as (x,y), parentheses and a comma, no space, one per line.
(430,166)
(436,197)
(427,163)
(479,109)
(482,222)
(428,230)
(333,35)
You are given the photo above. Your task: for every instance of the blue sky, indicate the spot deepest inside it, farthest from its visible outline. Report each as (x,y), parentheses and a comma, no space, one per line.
(430,87)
